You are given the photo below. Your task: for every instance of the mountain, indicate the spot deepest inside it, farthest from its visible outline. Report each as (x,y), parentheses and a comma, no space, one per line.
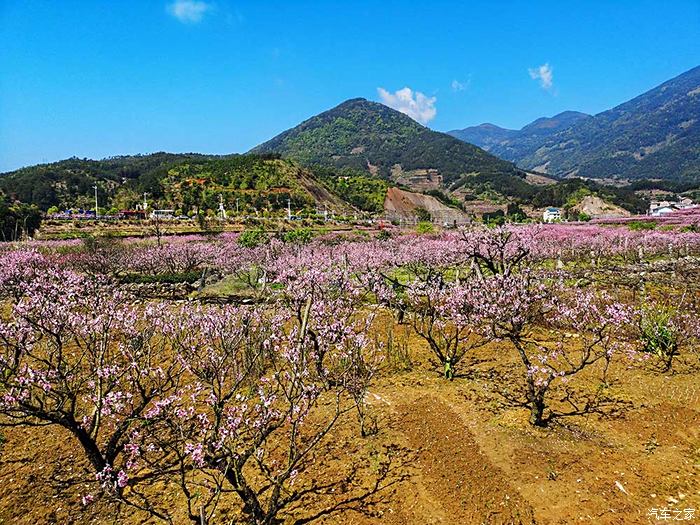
(513,145)
(344,158)
(486,135)
(368,136)
(546,126)
(180,181)
(653,136)
(363,141)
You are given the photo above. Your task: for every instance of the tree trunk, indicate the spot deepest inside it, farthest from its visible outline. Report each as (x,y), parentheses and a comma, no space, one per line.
(537,411)
(251,503)
(91,449)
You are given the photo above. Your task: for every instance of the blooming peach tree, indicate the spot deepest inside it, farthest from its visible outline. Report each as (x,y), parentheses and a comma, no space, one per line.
(557,334)
(76,354)
(448,316)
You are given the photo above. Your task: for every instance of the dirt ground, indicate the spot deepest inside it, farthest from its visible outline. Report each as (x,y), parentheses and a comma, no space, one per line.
(465,456)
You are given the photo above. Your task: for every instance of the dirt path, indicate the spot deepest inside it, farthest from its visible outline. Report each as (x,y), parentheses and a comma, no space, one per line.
(464,485)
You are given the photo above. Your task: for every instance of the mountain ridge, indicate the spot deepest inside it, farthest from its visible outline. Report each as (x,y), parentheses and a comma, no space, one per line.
(509,143)
(653,135)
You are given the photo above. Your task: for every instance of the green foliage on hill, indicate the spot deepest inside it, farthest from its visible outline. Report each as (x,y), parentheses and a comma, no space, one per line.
(570,191)
(490,185)
(567,192)
(355,187)
(70,182)
(181,182)
(371,137)
(674,186)
(257,183)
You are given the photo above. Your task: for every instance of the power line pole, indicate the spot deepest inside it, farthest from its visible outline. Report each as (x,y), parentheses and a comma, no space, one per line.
(222,210)
(289,210)
(95,186)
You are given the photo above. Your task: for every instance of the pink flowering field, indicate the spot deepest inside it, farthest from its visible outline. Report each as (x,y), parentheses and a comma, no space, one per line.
(528,373)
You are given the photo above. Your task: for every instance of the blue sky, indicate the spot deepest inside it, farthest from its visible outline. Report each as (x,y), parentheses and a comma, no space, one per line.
(96,78)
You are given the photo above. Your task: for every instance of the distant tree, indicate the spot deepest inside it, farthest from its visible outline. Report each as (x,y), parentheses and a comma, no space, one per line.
(17,220)
(298,236)
(252,237)
(494,218)
(423,215)
(156,229)
(515,212)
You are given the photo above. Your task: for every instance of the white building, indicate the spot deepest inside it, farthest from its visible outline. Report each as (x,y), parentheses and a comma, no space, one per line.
(162,214)
(551,215)
(663,210)
(658,208)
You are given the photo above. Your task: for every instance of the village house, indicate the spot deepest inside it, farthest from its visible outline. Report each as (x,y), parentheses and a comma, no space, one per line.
(659,208)
(551,215)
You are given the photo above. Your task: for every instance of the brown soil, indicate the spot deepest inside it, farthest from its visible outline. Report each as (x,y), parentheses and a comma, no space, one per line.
(597,208)
(399,203)
(469,489)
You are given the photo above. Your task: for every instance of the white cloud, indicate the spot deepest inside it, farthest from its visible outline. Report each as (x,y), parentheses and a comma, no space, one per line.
(414,104)
(189,11)
(460,86)
(544,73)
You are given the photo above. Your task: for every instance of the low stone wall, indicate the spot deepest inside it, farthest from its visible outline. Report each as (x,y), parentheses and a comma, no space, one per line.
(160,290)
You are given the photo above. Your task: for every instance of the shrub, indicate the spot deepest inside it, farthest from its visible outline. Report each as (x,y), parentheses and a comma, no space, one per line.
(252,237)
(659,333)
(641,225)
(425,227)
(422,214)
(496,218)
(383,235)
(298,236)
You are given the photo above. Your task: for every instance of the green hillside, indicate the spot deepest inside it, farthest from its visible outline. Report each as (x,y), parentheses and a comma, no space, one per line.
(184,182)
(372,137)
(251,182)
(68,183)
(655,135)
